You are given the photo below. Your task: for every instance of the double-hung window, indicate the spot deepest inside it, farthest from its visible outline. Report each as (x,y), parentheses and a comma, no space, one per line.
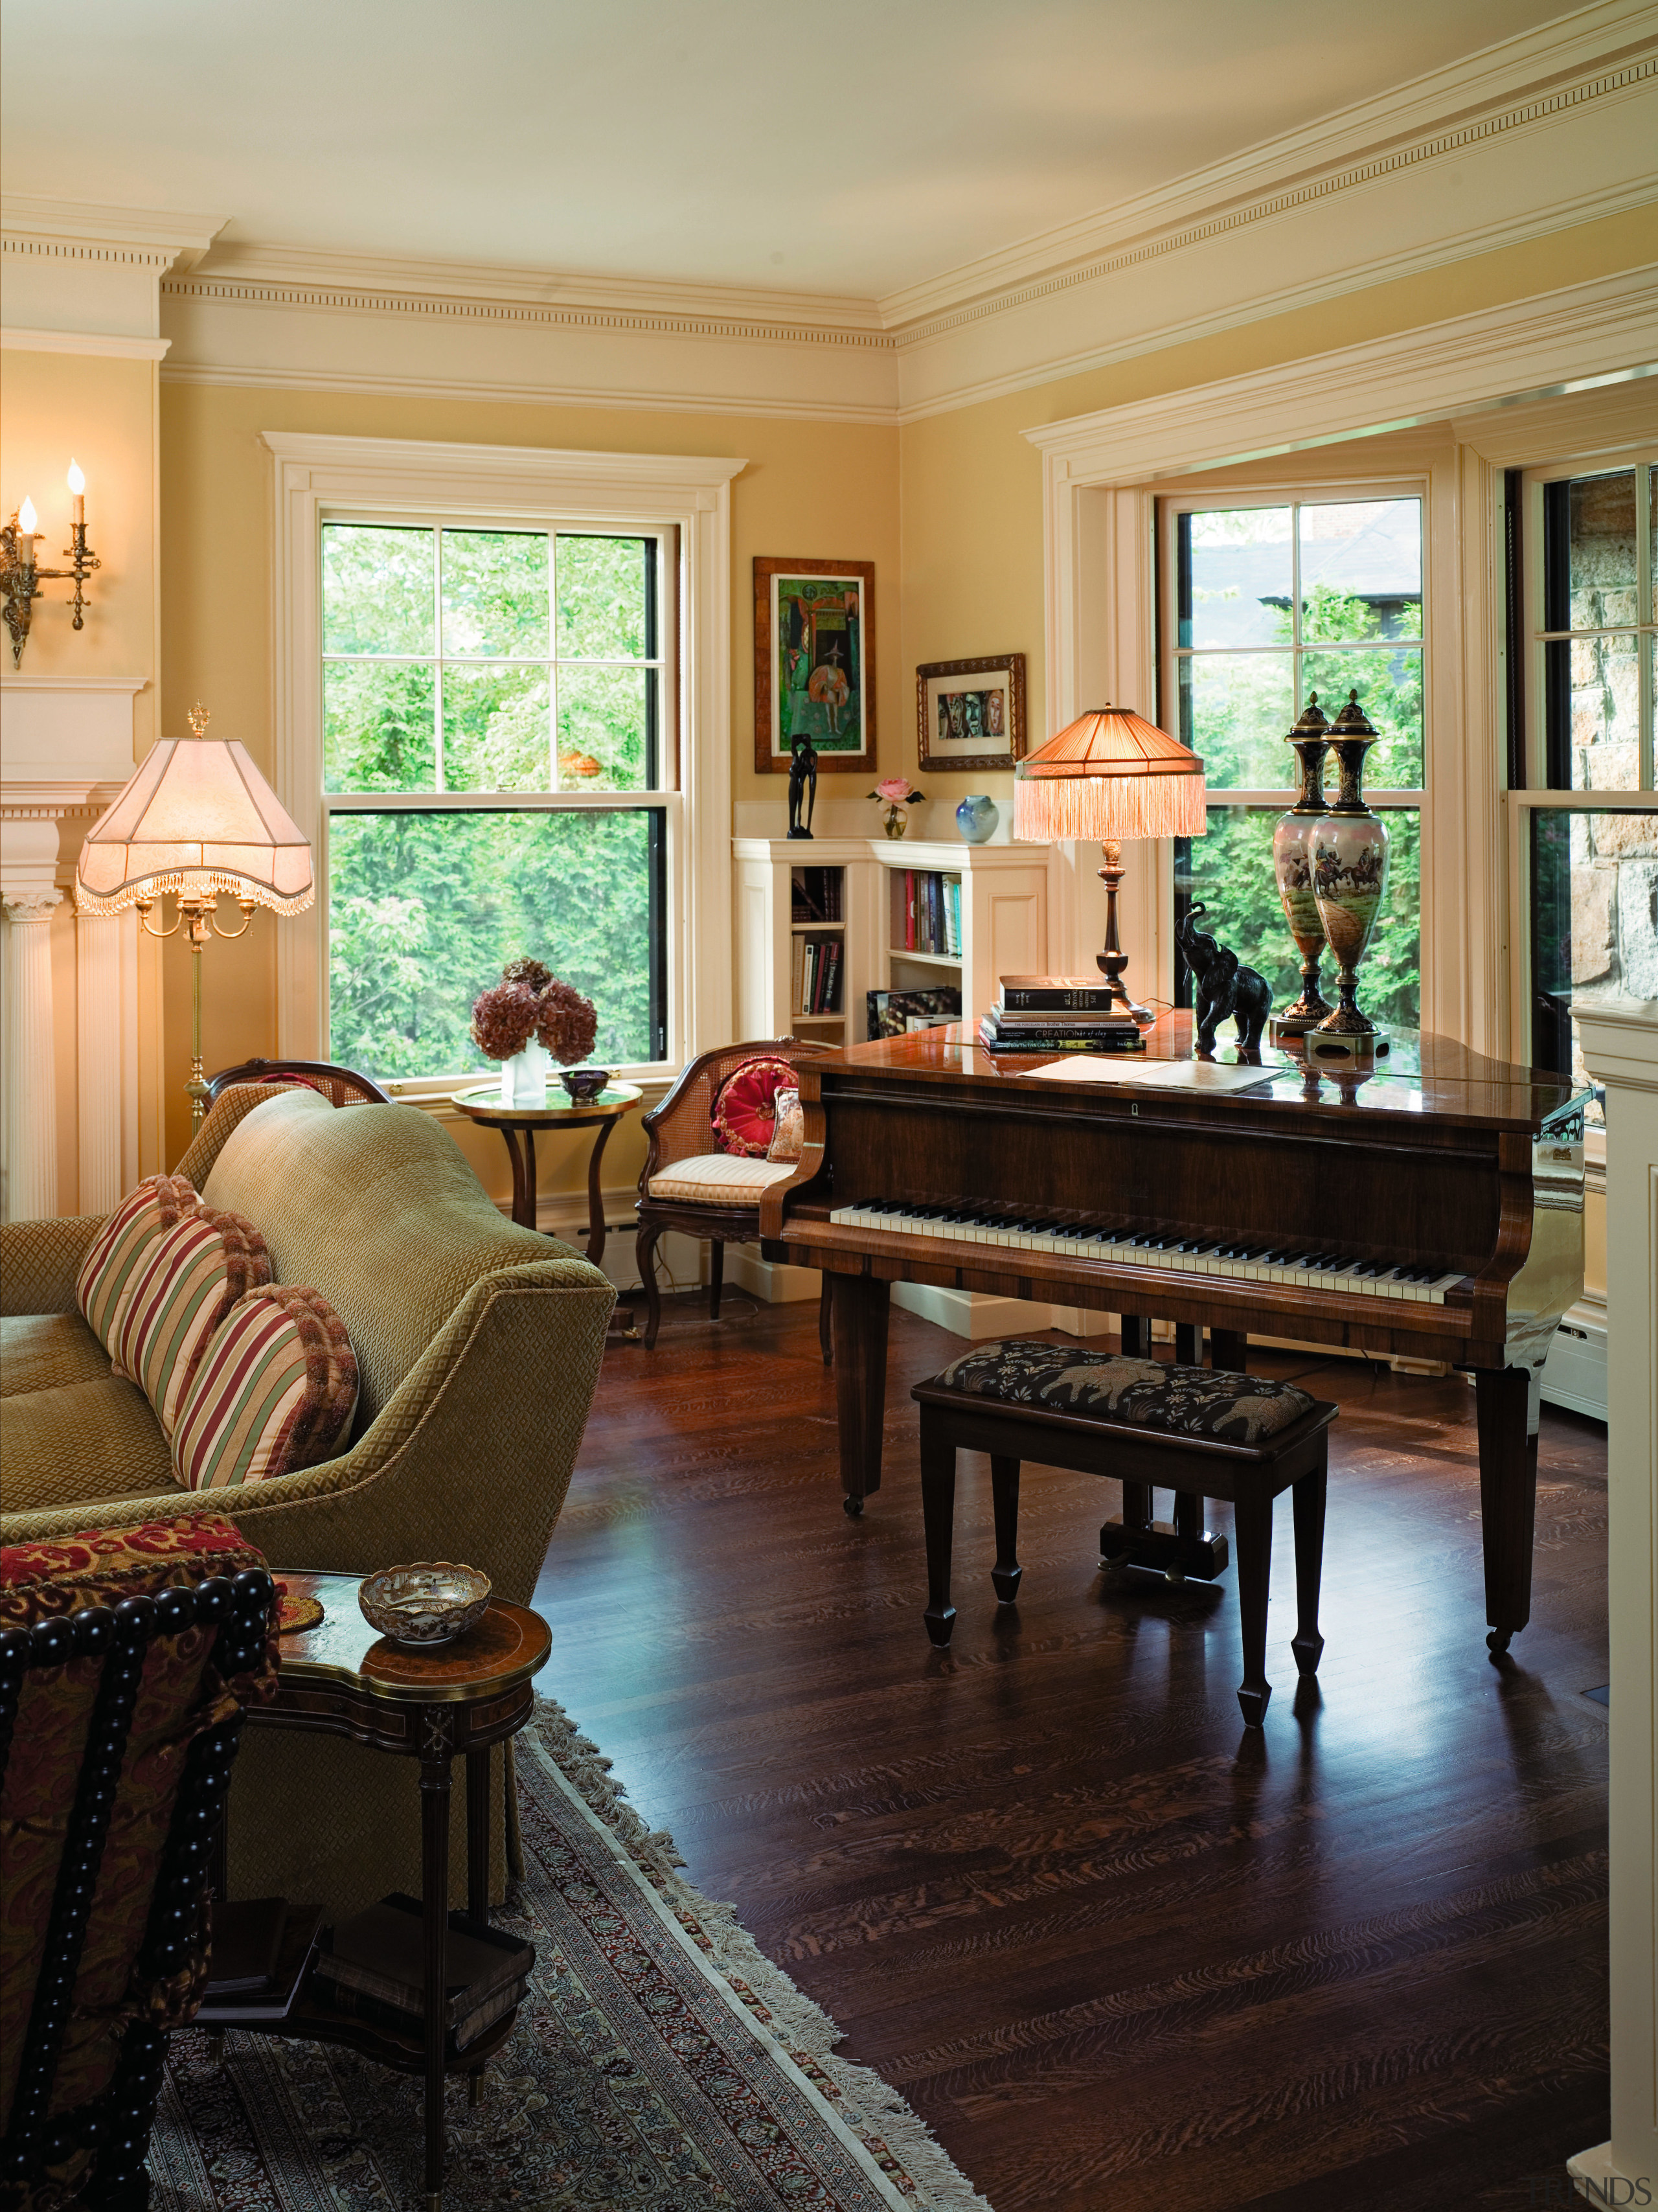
(1265,604)
(500,757)
(1581,770)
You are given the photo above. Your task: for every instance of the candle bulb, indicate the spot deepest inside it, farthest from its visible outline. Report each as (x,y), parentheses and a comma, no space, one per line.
(77,484)
(25,519)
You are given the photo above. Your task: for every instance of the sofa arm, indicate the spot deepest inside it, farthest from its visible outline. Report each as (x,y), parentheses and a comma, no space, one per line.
(40,1262)
(470,1458)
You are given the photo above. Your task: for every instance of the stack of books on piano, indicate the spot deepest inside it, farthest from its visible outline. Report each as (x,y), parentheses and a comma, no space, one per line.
(1059,1013)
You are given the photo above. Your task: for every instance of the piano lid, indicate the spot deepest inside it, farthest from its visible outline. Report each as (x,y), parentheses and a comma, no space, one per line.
(1424,1074)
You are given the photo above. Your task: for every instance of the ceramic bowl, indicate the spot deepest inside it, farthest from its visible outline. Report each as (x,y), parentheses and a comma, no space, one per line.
(423,1605)
(585,1083)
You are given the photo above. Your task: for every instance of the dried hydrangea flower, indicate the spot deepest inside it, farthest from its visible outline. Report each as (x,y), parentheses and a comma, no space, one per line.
(566,1023)
(504,1019)
(535,973)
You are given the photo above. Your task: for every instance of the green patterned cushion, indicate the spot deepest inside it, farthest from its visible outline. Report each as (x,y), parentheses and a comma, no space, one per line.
(193,1277)
(1141,1394)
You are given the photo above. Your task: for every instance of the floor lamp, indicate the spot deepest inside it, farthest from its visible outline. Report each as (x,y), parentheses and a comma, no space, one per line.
(197,819)
(1110,774)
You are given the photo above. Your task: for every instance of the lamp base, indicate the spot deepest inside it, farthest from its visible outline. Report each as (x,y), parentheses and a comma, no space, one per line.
(1113,960)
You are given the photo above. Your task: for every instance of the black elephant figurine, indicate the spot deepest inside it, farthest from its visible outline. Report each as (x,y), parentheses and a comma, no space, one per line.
(1220,987)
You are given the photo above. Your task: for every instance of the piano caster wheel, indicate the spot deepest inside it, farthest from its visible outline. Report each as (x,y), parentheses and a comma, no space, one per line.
(1499,1640)
(1174,1574)
(852,1507)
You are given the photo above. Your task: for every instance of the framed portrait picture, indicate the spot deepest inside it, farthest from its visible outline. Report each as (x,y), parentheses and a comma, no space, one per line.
(970,713)
(814,662)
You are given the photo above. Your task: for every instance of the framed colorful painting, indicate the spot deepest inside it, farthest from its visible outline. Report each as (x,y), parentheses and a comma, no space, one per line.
(970,713)
(814,662)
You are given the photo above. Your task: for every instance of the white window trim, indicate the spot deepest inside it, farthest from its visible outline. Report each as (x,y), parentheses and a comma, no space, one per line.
(1503,381)
(395,476)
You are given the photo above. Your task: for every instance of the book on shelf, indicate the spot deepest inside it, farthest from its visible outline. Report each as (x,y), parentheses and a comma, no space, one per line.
(1027,994)
(249,1982)
(373,1968)
(995,1039)
(815,894)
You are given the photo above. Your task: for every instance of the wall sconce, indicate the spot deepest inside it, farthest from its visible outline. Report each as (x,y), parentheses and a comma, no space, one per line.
(20,575)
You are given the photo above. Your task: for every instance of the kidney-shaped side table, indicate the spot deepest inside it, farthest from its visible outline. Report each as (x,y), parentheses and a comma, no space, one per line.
(482,1104)
(341,1678)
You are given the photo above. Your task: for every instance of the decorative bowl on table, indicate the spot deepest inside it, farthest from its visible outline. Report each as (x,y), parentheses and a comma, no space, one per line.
(426,1604)
(585,1083)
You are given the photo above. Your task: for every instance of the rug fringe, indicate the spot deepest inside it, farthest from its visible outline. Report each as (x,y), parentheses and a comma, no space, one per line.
(871,2106)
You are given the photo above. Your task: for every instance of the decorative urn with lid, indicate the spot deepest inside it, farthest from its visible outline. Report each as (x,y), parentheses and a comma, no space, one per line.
(1292,869)
(1350,872)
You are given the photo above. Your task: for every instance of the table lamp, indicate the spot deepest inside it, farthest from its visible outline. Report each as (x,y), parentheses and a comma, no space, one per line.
(197,819)
(1110,774)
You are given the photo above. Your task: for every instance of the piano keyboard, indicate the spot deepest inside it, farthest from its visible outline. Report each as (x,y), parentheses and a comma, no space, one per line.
(1255,1260)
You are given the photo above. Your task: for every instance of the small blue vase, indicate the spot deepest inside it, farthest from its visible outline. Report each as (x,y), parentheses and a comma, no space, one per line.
(976,817)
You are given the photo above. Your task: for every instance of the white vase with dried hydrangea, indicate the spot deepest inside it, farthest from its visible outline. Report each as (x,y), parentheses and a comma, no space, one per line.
(527,1021)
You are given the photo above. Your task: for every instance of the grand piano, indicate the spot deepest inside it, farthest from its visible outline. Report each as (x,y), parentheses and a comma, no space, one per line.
(1433,1207)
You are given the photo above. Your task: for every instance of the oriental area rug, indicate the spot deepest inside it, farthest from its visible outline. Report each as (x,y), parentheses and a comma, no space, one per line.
(660,2064)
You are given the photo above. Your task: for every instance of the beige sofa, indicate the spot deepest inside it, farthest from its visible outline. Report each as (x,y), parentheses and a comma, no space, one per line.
(478,1345)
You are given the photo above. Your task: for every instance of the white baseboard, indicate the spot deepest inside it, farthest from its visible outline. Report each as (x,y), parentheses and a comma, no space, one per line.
(1574,1375)
(1598,2180)
(769,1281)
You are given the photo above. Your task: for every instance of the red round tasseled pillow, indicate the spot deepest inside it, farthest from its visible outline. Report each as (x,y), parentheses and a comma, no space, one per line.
(744,1115)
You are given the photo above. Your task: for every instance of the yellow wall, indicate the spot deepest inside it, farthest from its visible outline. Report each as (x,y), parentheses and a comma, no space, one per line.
(972,485)
(54,407)
(809,488)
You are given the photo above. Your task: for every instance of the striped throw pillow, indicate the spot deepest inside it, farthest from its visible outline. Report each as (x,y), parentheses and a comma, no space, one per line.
(274,1391)
(190,1282)
(108,1273)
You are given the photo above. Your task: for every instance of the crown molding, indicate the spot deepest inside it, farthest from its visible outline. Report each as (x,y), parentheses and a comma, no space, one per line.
(1605,52)
(497,393)
(83,230)
(476,283)
(107,344)
(1604,333)
(1260,307)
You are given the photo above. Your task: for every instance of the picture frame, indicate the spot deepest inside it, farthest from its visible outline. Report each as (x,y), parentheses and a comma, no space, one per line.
(814,663)
(894,1014)
(970,713)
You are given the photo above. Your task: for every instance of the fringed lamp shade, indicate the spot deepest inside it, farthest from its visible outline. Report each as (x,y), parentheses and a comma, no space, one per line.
(197,819)
(1112,774)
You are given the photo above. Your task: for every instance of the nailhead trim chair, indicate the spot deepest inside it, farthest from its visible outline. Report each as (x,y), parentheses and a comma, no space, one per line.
(681,1130)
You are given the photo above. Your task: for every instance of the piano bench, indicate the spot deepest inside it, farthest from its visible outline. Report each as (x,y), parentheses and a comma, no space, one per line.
(1196,1430)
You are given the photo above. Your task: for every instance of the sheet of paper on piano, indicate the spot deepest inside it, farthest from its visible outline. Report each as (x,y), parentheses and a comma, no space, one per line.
(1154,1074)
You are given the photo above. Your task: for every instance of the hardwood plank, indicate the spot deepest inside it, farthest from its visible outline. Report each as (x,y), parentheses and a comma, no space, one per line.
(1112,1949)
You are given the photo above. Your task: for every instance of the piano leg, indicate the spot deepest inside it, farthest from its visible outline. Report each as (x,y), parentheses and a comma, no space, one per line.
(1136,1337)
(860,1316)
(1188,1344)
(1229,1348)
(1251,1520)
(1506,1409)
(1004,1496)
(939,1522)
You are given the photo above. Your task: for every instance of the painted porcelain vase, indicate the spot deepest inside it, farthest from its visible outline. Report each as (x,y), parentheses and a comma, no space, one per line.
(976,818)
(1293,871)
(524,1077)
(1350,869)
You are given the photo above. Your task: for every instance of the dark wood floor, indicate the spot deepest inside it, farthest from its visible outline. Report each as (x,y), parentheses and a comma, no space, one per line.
(1118,1952)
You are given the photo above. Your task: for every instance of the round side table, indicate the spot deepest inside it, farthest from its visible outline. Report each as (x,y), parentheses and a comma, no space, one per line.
(482,1104)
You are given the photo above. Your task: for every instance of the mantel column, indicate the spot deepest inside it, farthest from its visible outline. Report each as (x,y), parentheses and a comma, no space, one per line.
(30,1164)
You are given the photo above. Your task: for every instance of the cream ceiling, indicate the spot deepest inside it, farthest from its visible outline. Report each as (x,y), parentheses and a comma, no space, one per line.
(856,149)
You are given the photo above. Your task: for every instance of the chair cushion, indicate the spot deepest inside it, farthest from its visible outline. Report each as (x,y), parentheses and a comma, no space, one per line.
(190,1282)
(141,1219)
(1140,1394)
(82,1442)
(39,1350)
(743,1113)
(718,1179)
(274,1391)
